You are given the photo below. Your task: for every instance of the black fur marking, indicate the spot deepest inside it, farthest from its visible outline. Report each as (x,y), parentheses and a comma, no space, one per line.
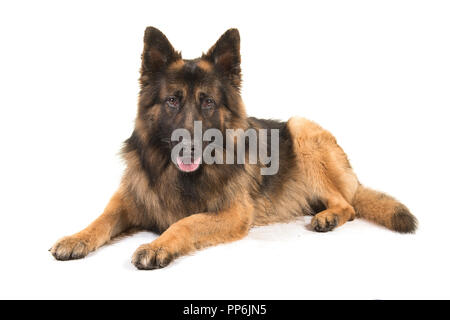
(316,206)
(403,221)
(143,149)
(274,184)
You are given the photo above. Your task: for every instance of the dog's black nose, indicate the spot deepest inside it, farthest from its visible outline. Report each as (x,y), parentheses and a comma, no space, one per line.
(190,147)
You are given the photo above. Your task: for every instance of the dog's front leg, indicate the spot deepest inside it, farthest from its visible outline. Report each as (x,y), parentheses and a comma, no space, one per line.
(195,232)
(112,222)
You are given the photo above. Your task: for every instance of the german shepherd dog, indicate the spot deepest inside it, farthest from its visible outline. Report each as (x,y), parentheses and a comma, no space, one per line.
(195,205)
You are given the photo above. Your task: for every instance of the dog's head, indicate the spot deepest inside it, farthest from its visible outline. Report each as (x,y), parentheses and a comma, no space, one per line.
(175,93)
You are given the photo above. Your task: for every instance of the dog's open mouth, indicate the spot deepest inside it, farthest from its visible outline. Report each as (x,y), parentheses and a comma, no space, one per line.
(188,164)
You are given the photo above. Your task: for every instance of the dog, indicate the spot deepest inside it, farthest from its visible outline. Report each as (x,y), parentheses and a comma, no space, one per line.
(192,204)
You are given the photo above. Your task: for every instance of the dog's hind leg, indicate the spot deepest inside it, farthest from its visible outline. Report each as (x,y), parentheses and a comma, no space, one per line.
(337,213)
(112,222)
(326,172)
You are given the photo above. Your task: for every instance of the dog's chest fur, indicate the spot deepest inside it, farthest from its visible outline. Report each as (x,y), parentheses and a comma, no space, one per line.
(174,195)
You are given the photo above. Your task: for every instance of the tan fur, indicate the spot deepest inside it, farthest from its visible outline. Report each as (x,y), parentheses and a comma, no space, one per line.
(383,209)
(325,170)
(178,64)
(206,66)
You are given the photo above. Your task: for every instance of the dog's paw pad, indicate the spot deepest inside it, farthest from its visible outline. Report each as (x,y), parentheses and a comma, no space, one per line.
(70,248)
(324,222)
(148,257)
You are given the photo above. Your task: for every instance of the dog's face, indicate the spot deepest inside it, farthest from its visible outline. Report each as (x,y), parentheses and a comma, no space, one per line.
(175,93)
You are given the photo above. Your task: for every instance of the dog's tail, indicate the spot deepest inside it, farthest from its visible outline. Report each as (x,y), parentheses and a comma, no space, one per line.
(384,210)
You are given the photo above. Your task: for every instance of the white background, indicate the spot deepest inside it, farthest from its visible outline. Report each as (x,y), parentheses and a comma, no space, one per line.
(375,73)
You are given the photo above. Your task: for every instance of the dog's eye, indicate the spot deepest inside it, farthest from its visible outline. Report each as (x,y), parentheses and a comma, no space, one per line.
(208,103)
(173,102)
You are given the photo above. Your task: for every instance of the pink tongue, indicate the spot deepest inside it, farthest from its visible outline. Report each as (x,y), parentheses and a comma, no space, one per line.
(188,167)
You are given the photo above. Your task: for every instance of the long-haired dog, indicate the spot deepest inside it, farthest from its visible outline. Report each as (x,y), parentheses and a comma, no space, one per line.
(194,204)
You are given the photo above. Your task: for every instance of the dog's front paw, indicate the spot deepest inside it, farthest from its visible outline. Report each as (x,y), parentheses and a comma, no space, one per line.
(70,248)
(149,257)
(324,221)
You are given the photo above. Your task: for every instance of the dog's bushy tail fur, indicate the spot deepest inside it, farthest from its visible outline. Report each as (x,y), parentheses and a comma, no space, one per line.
(384,210)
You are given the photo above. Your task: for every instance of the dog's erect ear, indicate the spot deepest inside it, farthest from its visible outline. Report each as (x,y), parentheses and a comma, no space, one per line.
(226,57)
(158,52)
